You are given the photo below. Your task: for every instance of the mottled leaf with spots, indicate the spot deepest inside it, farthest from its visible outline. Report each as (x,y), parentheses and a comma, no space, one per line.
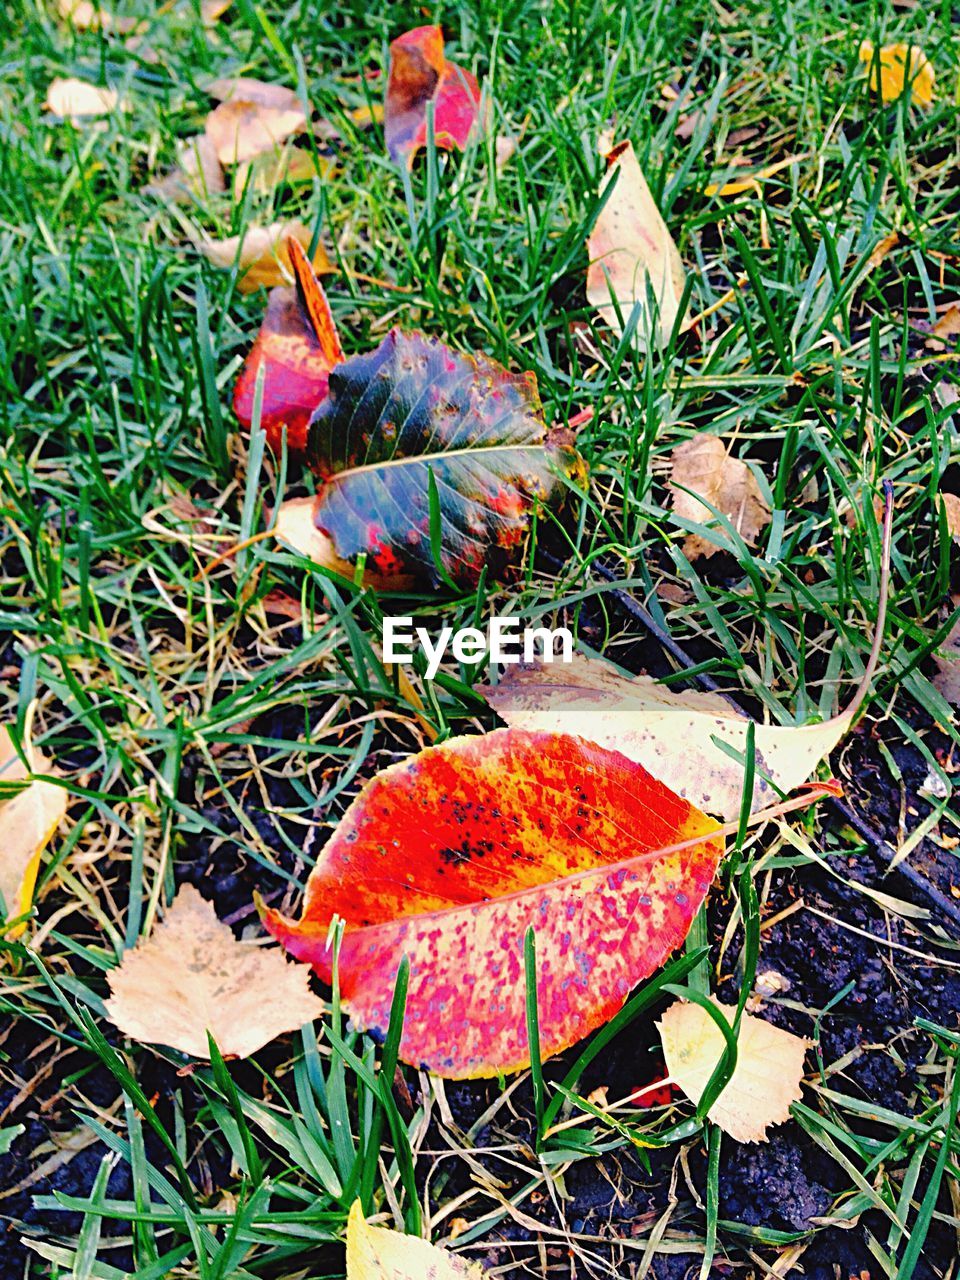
(450,856)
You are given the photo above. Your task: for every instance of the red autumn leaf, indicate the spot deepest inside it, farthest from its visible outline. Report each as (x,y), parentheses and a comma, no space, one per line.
(449,856)
(419,73)
(299,346)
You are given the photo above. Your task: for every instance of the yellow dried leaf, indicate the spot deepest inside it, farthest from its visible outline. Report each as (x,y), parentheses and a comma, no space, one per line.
(73,99)
(28,820)
(765,1082)
(902,67)
(671,734)
(192,976)
(292,165)
(241,128)
(378,1253)
(631,251)
(262,256)
(728,485)
(752,181)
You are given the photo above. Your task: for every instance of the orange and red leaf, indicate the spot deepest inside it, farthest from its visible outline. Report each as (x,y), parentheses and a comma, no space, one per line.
(419,74)
(450,856)
(299,346)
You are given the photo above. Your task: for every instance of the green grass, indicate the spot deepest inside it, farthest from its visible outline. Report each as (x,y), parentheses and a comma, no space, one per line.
(159,687)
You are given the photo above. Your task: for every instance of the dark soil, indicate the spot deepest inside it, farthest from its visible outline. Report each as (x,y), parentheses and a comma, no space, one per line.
(786,1185)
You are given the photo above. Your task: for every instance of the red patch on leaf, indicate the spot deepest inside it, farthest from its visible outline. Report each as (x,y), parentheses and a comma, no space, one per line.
(419,73)
(450,856)
(298,345)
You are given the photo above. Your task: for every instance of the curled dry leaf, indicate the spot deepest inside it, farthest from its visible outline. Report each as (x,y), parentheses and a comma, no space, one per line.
(765,1082)
(260,92)
(28,820)
(73,99)
(415,412)
(262,254)
(946,327)
(725,483)
(448,857)
(198,173)
(298,347)
(377,1253)
(420,74)
(293,166)
(951,511)
(679,737)
(243,127)
(632,252)
(192,976)
(898,68)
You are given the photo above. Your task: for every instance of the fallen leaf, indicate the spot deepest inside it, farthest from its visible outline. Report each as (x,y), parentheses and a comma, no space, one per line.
(260,92)
(414,408)
(951,509)
(946,327)
(725,483)
(74,99)
(198,172)
(885,246)
(752,181)
(448,857)
(243,127)
(294,525)
(262,254)
(947,659)
(298,347)
(902,67)
(28,820)
(420,74)
(377,1253)
(671,734)
(211,10)
(765,1082)
(192,976)
(293,166)
(632,251)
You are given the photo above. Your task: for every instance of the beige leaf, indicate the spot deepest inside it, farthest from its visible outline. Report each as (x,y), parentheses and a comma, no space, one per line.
(703,465)
(670,734)
(197,174)
(192,976)
(28,821)
(951,509)
(631,248)
(947,658)
(85,16)
(765,1081)
(946,327)
(261,254)
(211,10)
(241,128)
(295,526)
(245,89)
(73,99)
(901,66)
(292,165)
(378,1253)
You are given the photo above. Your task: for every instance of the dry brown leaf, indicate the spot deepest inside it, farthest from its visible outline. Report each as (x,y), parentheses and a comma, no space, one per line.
(378,1253)
(946,327)
(192,976)
(947,658)
(262,255)
(632,251)
(704,466)
(765,1082)
(73,99)
(901,66)
(198,172)
(241,128)
(28,821)
(670,734)
(245,89)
